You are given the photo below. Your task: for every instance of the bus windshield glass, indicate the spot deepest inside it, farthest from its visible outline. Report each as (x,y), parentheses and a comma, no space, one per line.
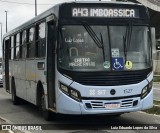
(120,48)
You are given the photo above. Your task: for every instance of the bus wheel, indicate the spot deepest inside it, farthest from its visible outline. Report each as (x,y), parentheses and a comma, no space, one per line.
(15,99)
(46,113)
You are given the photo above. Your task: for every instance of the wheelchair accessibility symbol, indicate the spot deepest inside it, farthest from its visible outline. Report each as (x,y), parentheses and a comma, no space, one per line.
(118,63)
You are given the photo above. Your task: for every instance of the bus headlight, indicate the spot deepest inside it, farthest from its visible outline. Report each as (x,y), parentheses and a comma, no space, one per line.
(146,90)
(74,94)
(64,89)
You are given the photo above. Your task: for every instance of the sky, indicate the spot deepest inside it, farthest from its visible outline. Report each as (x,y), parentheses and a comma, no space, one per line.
(20,11)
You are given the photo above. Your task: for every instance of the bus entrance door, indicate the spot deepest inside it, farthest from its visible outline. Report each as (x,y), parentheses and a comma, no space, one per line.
(6,58)
(51,52)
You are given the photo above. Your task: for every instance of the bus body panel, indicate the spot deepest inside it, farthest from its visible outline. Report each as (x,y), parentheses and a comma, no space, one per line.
(18,73)
(104,91)
(72,107)
(69,107)
(35,74)
(26,76)
(31,81)
(41,70)
(148,101)
(60,78)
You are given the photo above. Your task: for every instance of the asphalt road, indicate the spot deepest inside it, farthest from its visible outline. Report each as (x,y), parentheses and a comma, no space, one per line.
(28,114)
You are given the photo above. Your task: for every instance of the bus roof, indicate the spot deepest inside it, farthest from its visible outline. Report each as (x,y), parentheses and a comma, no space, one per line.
(55,9)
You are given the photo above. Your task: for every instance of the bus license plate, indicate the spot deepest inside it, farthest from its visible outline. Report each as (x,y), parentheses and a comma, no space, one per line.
(112,105)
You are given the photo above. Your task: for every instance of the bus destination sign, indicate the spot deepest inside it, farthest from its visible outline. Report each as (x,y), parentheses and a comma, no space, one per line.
(105,12)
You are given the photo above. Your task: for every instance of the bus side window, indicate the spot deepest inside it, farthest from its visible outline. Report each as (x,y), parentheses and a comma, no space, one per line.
(12,47)
(24,48)
(9,48)
(20,46)
(41,40)
(30,43)
(17,46)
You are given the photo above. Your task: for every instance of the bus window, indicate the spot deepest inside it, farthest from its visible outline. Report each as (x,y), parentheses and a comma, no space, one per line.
(12,47)
(31,46)
(24,49)
(41,40)
(20,46)
(17,46)
(80,51)
(9,48)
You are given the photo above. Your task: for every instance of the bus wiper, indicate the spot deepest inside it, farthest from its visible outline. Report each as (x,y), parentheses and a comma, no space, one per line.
(127,39)
(92,34)
(125,48)
(95,38)
(102,46)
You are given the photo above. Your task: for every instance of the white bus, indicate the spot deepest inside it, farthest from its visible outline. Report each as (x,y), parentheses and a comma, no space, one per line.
(82,58)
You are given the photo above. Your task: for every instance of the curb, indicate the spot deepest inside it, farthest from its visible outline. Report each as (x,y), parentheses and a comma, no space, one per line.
(4,121)
(156,104)
(156,100)
(7,122)
(156,82)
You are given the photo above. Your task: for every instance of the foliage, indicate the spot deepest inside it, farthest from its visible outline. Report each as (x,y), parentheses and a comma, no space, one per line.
(156,79)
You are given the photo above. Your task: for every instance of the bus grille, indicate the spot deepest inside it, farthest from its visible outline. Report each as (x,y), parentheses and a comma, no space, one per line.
(97,104)
(100,104)
(127,103)
(110,80)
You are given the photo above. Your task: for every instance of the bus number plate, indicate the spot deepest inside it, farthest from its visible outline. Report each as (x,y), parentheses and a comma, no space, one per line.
(112,105)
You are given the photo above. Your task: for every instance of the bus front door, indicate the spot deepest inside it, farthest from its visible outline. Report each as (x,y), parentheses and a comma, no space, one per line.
(51,55)
(6,59)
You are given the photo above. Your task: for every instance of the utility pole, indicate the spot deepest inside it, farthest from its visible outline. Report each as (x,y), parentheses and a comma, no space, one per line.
(35,7)
(6,20)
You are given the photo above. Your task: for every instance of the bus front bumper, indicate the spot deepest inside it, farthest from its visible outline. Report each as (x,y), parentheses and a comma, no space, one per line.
(67,105)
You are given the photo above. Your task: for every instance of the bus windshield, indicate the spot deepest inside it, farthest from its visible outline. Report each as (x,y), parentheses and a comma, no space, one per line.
(123,48)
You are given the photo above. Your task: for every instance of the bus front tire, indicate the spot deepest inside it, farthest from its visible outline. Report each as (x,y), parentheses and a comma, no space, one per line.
(46,113)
